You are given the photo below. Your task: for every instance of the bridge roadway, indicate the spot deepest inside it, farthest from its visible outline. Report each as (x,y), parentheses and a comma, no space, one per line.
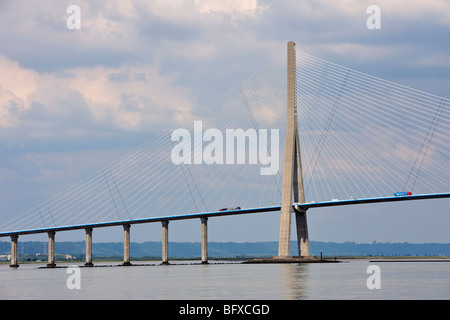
(202,215)
(301,206)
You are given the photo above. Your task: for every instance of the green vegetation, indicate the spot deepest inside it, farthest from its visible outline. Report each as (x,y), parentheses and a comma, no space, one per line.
(75,251)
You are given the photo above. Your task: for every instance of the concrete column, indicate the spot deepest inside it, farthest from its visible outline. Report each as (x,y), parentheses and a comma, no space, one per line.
(299,197)
(204,221)
(165,242)
(289,150)
(292,171)
(14,251)
(302,233)
(126,245)
(88,247)
(51,249)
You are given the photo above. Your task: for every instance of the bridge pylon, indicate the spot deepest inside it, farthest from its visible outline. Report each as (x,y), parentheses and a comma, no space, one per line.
(292,171)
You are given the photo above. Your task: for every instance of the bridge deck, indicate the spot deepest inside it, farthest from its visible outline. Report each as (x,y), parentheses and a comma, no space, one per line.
(373,200)
(304,206)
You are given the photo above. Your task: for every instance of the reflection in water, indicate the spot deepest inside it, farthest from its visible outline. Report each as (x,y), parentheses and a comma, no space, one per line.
(399,280)
(296,280)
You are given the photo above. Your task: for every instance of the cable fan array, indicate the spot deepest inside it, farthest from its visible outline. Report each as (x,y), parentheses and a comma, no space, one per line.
(364,136)
(146,183)
(361,137)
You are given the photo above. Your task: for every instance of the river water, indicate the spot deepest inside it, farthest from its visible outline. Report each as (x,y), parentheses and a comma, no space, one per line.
(222,280)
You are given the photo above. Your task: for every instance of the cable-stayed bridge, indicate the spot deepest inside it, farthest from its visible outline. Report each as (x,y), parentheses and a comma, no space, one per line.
(315,134)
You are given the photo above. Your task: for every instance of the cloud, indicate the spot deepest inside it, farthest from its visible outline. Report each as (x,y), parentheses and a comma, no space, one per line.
(16,85)
(435,11)
(435,60)
(129,98)
(237,8)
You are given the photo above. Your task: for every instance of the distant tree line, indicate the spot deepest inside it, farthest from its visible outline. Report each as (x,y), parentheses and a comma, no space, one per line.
(36,250)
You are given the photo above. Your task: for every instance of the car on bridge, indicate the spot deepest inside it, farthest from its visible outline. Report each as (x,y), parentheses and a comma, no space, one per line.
(230,209)
(402,194)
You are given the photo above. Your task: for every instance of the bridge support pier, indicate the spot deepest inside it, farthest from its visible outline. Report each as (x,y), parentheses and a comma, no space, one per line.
(51,249)
(204,228)
(14,251)
(88,247)
(126,245)
(302,233)
(165,242)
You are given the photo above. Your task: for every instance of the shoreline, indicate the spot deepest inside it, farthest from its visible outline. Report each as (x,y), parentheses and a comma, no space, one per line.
(103,262)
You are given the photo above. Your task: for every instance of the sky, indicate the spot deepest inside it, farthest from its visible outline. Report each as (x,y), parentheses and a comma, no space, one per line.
(74,100)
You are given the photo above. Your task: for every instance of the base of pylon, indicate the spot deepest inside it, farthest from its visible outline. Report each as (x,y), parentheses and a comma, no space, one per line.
(291,259)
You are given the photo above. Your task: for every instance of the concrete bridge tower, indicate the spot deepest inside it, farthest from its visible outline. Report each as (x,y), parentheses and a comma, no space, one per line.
(292,170)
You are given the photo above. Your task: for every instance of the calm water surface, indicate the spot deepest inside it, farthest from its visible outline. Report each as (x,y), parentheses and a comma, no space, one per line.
(347,280)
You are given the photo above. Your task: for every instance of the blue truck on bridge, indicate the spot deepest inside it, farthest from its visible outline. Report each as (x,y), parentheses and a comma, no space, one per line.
(402,194)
